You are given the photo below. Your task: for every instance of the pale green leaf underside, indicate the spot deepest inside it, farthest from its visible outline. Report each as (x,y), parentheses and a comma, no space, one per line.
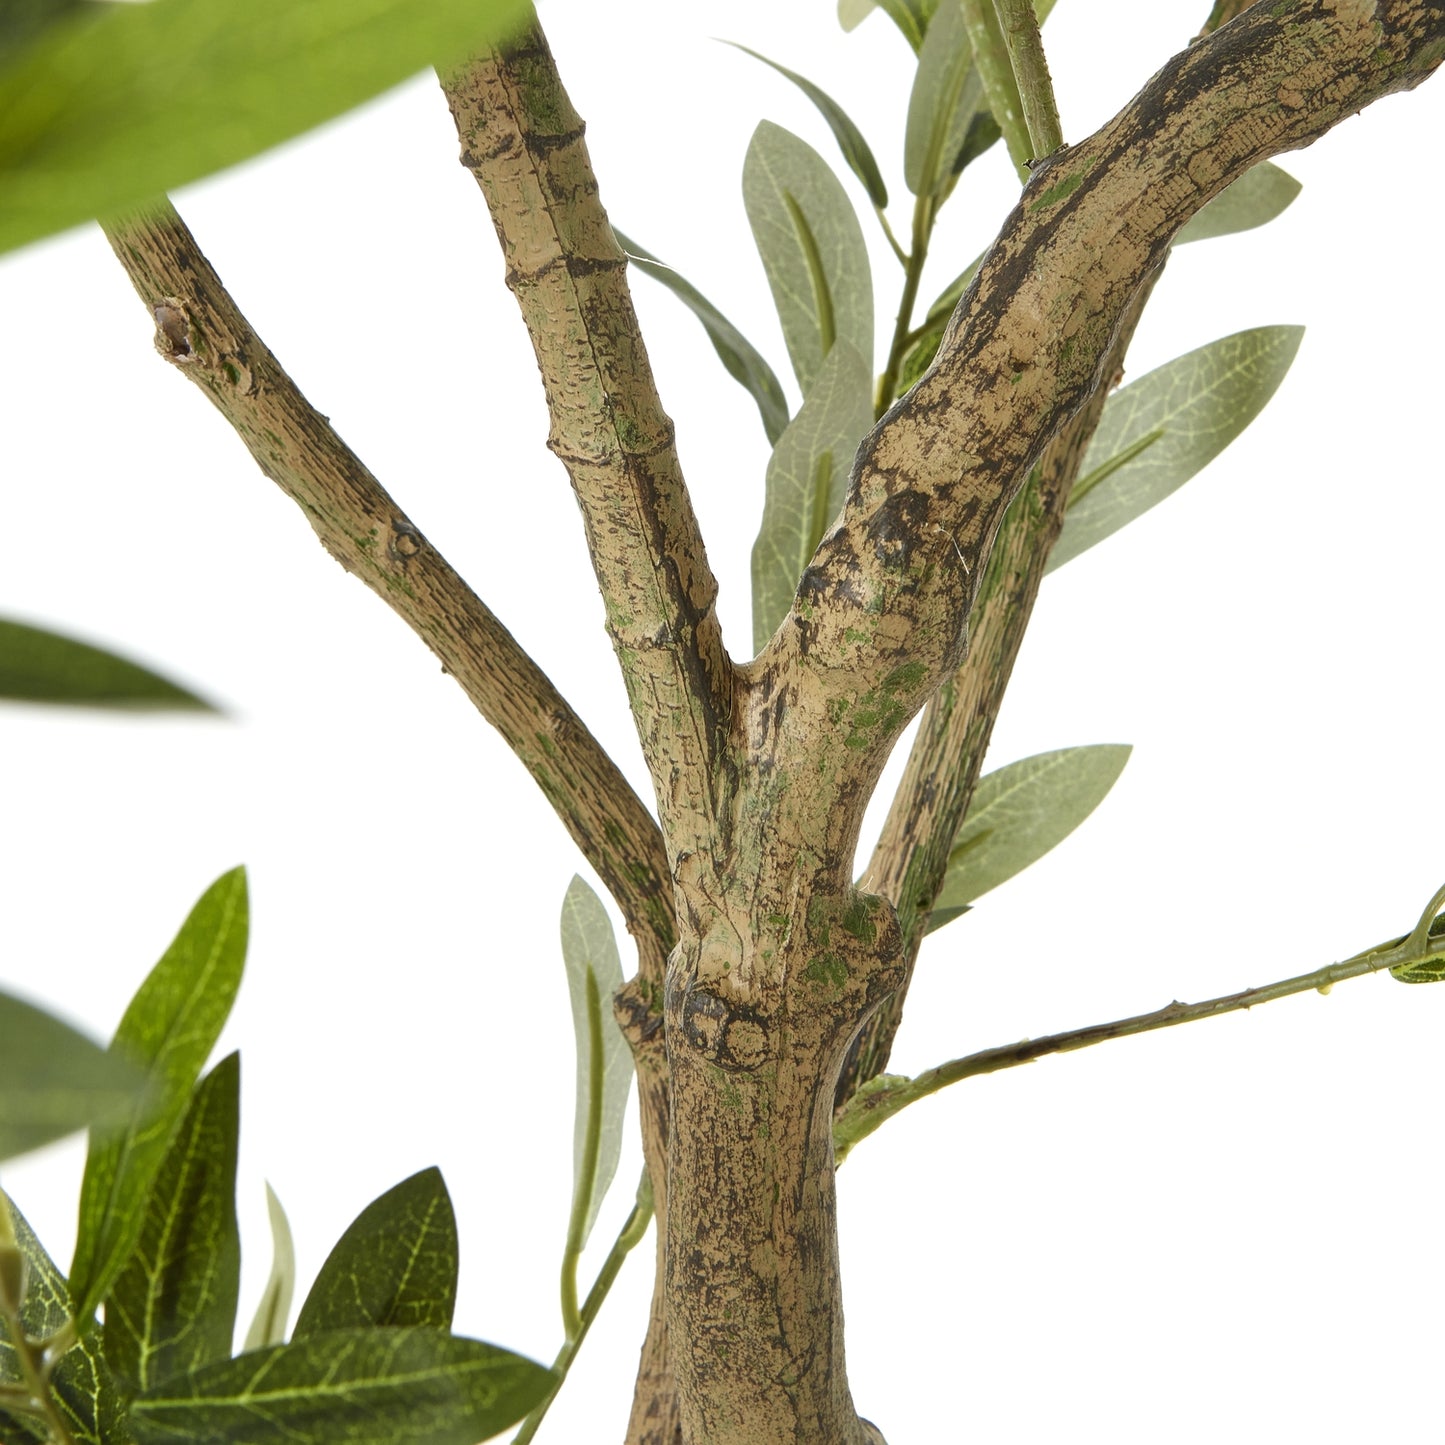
(807,479)
(852,13)
(54,1080)
(946,93)
(812,249)
(173,1307)
(268,1325)
(37,665)
(1258,196)
(1021,812)
(383,1386)
(1197,404)
(169,1029)
(589,945)
(114,107)
(395,1265)
(742,359)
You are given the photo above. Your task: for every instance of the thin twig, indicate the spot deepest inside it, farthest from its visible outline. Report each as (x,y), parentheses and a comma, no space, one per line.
(1031,74)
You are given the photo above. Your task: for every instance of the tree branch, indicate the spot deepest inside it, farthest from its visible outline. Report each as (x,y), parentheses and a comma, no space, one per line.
(203,333)
(523,142)
(883,604)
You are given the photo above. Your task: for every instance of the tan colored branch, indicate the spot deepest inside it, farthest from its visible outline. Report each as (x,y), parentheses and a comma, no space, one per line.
(884,603)
(203,333)
(523,142)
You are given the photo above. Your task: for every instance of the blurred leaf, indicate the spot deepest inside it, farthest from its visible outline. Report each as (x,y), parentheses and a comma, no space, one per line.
(812,249)
(23,21)
(852,13)
(1427,970)
(395,1265)
(741,358)
(941,916)
(54,1080)
(1021,812)
(604,1061)
(1258,196)
(1196,404)
(139,99)
(367,1386)
(807,479)
(84,1387)
(850,139)
(910,16)
(173,1307)
(169,1029)
(268,1326)
(41,666)
(946,93)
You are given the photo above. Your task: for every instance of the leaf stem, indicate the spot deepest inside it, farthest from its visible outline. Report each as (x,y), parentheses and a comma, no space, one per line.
(924,211)
(1031,75)
(36,1365)
(586,1182)
(869,1108)
(892,239)
(628,1238)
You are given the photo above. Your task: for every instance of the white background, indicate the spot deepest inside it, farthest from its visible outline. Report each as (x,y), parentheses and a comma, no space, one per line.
(1224,1231)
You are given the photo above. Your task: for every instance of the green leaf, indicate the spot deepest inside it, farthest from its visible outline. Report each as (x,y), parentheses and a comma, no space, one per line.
(850,139)
(910,16)
(807,480)
(41,666)
(85,1390)
(812,249)
(743,361)
(169,1030)
(395,1265)
(1157,432)
(1425,970)
(1021,812)
(852,13)
(268,1326)
(54,1081)
(347,1387)
(604,1061)
(24,21)
(1258,196)
(136,100)
(946,93)
(173,1307)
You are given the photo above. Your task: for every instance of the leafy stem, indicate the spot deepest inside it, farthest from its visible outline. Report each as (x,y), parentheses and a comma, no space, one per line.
(37,1364)
(884,1096)
(892,239)
(1031,73)
(925,209)
(628,1238)
(591,1149)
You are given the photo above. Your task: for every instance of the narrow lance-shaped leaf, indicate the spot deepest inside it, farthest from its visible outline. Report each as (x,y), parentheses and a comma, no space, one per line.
(812,249)
(1257,197)
(1000,85)
(850,139)
(742,359)
(807,478)
(54,1080)
(37,665)
(346,1387)
(1021,812)
(910,16)
(169,1029)
(173,1307)
(85,1391)
(395,1265)
(946,93)
(268,1325)
(604,1061)
(1157,432)
(107,112)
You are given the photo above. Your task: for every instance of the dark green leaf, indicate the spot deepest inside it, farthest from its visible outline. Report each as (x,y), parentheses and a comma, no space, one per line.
(169,1030)
(812,249)
(41,666)
(946,93)
(109,113)
(1157,432)
(807,479)
(347,1387)
(604,1061)
(23,21)
(741,358)
(173,1307)
(983,134)
(84,1388)
(395,1265)
(1021,812)
(850,139)
(941,916)
(1426,970)
(1258,196)
(54,1081)
(268,1325)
